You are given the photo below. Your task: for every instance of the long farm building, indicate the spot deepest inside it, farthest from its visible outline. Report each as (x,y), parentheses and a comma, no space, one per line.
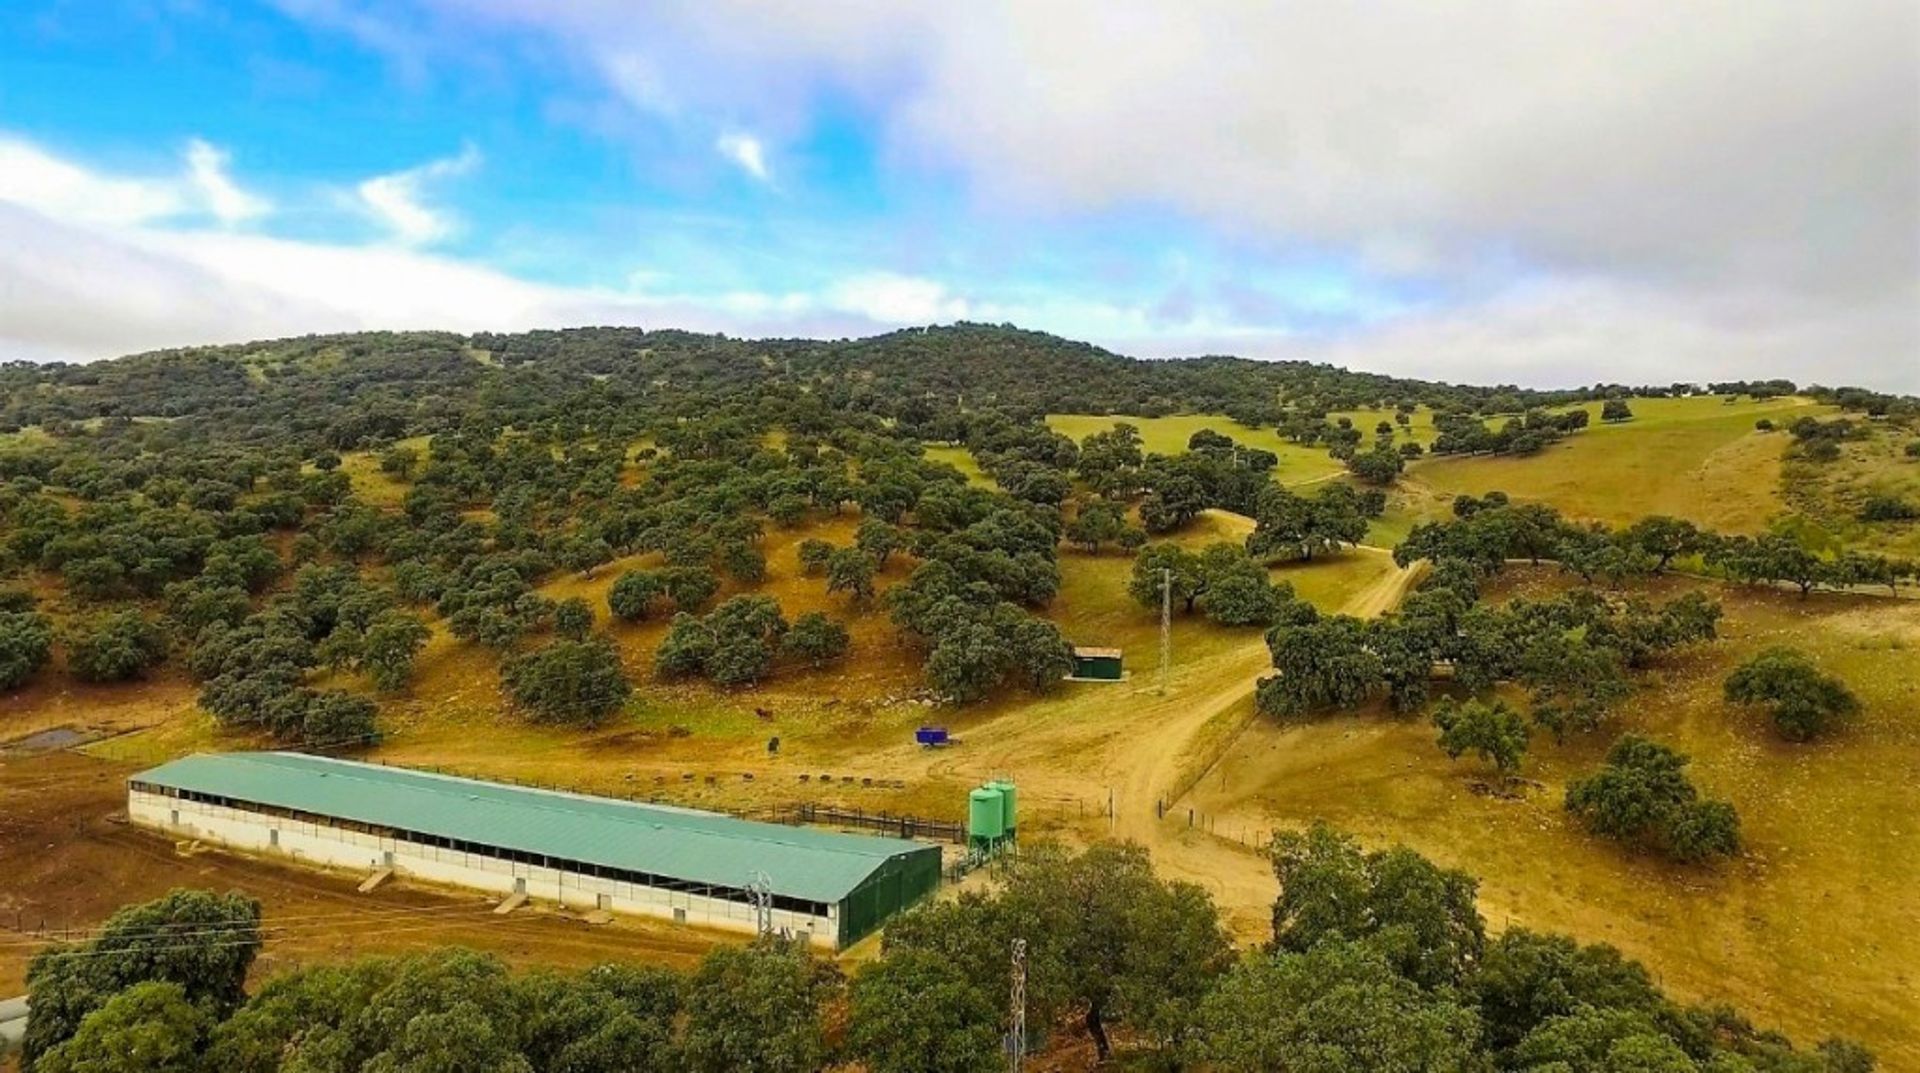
(578,850)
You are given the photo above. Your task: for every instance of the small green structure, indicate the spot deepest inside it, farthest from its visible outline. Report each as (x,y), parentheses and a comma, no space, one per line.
(986,816)
(1009,821)
(1097,664)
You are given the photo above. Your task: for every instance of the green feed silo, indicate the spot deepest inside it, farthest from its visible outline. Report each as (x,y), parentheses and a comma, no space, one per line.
(1009,818)
(986,820)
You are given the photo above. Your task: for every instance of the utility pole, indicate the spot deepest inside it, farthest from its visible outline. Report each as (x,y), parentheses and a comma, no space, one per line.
(1166,625)
(760,886)
(1017,1039)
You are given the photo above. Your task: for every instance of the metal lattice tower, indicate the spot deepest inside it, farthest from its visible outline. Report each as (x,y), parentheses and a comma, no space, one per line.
(760,886)
(1017,1002)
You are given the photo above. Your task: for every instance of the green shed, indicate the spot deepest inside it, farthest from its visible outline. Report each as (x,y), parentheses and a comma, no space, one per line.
(1097,664)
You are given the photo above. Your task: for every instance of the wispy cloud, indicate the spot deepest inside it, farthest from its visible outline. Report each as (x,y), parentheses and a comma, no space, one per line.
(399,200)
(747,153)
(207,170)
(36,179)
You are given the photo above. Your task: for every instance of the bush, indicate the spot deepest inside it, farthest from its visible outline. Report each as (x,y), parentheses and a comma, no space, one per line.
(26,637)
(816,639)
(631,597)
(574,682)
(1615,410)
(115,647)
(1643,797)
(1888,509)
(1804,702)
(1493,730)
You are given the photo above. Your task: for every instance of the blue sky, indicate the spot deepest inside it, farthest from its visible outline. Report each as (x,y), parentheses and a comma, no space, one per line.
(1492,195)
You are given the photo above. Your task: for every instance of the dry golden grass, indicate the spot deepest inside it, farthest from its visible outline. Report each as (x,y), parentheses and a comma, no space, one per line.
(1811,931)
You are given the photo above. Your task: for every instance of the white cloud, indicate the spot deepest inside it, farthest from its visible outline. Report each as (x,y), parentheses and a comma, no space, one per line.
(887,298)
(745,151)
(398,201)
(1712,155)
(84,277)
(36,179)
(207,170)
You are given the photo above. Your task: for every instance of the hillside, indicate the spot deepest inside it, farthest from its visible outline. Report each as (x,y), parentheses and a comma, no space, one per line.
(737,574)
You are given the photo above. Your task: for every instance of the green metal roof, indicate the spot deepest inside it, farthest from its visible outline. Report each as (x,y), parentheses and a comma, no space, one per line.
(685,844)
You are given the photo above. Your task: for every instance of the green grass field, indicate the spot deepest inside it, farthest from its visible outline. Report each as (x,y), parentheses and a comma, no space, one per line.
(371,483)
(1698,458)
(1830,494)
(961,459)
(1169,435)
(1695,458)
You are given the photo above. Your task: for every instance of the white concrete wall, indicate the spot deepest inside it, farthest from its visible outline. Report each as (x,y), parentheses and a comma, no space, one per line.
(325,846)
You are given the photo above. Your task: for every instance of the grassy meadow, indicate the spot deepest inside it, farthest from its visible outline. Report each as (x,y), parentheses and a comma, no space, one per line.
(1169,435)
(1811,930)
(1830,494)
(1696,458)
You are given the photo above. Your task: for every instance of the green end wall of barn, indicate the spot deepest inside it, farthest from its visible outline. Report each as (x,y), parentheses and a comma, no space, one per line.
(897,884)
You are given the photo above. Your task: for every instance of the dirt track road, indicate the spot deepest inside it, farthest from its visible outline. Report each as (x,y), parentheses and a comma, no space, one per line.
(1166,762)
(1149,752)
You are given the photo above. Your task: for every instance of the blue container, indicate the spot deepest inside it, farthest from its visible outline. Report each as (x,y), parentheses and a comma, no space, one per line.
(931,735)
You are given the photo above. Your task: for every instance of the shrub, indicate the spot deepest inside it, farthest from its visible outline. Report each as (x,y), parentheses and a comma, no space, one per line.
(576,682)
(25,639)
(115,647)
(1804,702)
(816,639)
(1643,797)
(1888,509)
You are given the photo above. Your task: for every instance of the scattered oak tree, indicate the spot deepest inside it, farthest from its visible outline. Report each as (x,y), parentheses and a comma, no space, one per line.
(115,647)
(391,644)
(26,639)
(1491,730)
(574,682)
(1643,797)
(1804,702)
(815,639)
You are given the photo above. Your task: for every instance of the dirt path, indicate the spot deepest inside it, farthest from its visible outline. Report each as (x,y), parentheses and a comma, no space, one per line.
(1157,763)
